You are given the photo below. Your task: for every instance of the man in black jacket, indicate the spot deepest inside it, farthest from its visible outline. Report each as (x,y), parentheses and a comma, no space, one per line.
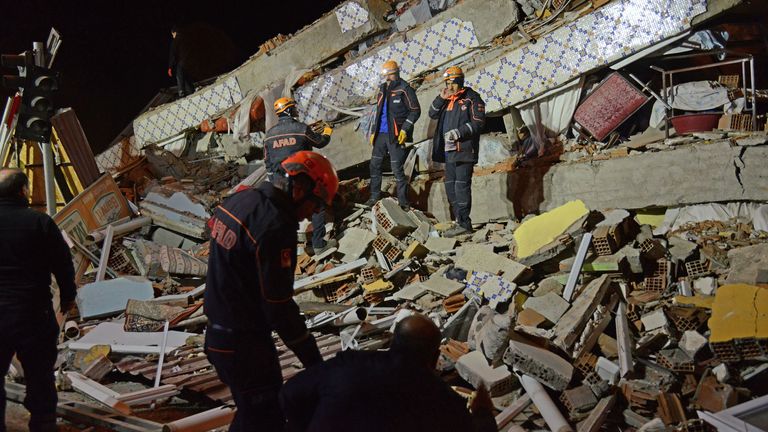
(287,137)
(249,287)
(397,110)
(339,394)
(31,249)
(178,56)
(460,113)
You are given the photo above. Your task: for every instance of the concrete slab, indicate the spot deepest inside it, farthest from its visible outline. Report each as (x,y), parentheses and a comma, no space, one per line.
(547,367)
(411,292)
(474,368)
(478,258)
(354,242)
(99,299)
(442,286)
(749,265)
(440,244)
(550,305)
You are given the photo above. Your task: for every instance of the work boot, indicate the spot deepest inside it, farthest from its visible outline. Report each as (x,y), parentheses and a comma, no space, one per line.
(456,231)
(371,202)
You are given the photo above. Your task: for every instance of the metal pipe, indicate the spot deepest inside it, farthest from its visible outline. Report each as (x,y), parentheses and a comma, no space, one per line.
(50,186)
(39,49)
(105,249)
(71,330)
(754,92)
(118,230)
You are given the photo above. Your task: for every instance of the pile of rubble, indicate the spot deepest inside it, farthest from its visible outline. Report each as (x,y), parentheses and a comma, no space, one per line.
(574,317)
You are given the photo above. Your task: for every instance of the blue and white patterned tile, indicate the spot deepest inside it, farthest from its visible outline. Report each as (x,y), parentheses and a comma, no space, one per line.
(351,16)
(617,30)
(423,50)
(173,118)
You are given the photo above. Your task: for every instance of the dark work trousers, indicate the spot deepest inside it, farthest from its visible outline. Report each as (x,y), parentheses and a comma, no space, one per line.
(381,146)
(183,82)
(31,334)
(247,363)
(458,187)
(318,230)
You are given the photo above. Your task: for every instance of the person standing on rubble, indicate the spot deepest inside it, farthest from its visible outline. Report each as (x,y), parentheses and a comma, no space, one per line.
(460,115)
(397,110)
(249,288)
(287,137)
(339,394)
(179,54)
(31,249)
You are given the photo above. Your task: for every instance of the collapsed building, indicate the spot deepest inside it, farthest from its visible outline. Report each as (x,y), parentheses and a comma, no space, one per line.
(619,207)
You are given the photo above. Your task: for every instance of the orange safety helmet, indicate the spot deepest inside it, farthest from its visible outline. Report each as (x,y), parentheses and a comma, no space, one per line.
(389,67)
(453,73)
(283,104)
(318,168)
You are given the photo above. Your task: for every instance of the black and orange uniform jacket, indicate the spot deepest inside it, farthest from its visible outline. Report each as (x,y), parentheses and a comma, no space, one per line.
(287,137)
(464,111)
(403,109)
(249,288)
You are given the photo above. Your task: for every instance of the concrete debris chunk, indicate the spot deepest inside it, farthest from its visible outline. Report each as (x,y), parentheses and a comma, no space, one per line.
(546,367)
(479,258)
(474,368)
(550,305)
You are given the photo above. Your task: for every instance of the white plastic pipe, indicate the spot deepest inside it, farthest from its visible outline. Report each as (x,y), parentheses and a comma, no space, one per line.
(543,402)
(120,229)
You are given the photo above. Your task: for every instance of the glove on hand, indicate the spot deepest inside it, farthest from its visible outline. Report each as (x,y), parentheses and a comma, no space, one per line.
(452,135)
(401,137)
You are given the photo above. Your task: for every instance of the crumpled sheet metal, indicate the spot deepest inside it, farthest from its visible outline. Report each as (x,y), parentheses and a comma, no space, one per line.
(359,81)
(614,31)
(169,120)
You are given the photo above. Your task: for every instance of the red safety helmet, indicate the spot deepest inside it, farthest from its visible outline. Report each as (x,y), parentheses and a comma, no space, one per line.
(318,168)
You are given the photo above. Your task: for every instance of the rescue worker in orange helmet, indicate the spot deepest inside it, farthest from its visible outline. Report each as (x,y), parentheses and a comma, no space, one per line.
(460,115)
(397,110)
(287,137)
(249,286)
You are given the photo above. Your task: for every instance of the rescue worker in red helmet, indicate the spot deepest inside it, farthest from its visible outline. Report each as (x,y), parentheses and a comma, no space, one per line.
(287,137)
(397,110)
(249,286)
(460,115)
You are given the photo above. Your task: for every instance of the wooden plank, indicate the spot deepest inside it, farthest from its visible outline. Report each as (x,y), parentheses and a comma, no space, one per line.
(302,284)
(573,277)
(623,340)
(512,411)
(598,415)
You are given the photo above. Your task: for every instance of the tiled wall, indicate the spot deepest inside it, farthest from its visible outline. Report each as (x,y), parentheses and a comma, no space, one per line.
(353,84)
(614,31)
(171,119)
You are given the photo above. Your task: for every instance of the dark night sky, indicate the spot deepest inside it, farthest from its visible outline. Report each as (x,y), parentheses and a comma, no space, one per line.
(114,54)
